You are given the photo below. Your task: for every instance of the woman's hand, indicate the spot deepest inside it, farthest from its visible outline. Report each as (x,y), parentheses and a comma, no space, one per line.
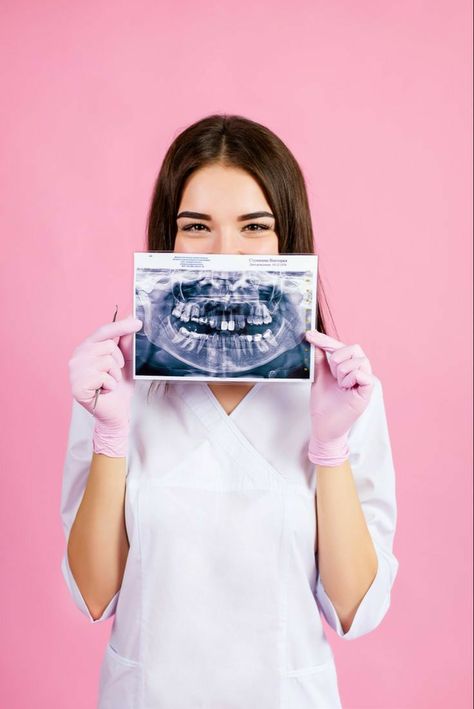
(103,360)
(340,393)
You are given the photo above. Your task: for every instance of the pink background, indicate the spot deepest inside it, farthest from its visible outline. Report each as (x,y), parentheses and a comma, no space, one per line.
(374,99)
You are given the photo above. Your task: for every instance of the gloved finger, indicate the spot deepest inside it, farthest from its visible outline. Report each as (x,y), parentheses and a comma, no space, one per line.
(106,347)
(107,363)
(107,382)
(347,352)
(322,340)
(320,358)
(115,372)
(361,381)
(345,367)
(95,379)
(115,329)
(118,356)
(126,346)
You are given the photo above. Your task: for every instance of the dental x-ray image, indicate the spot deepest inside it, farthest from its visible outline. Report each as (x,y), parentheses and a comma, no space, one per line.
(224,317)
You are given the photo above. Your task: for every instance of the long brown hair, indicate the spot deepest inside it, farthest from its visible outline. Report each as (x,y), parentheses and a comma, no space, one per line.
(235,141)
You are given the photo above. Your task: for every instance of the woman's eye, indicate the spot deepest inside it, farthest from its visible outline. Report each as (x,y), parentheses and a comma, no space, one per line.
(190,227)
(264,227)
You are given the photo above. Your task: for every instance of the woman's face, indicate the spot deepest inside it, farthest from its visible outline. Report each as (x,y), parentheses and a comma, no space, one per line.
(215,214)
(224,323)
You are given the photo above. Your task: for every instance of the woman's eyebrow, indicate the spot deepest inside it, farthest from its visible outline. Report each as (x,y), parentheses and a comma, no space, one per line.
(242,218)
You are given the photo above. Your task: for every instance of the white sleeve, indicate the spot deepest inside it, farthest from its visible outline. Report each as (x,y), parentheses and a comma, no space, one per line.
(373,470)
(75,473)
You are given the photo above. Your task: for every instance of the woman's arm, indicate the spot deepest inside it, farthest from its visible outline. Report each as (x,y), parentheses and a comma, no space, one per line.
(98,544)
(346,555)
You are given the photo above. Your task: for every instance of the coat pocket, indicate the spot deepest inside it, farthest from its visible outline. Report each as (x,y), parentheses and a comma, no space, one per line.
(119,681)
(312,688)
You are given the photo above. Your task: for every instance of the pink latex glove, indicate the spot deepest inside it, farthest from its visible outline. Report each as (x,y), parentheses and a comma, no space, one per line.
(104,360)
(340,393)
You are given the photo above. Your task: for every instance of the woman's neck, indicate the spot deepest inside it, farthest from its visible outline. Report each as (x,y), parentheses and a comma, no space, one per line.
(230,394)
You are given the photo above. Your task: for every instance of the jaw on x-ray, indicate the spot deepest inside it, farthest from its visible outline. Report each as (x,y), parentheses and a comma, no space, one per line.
(221,324)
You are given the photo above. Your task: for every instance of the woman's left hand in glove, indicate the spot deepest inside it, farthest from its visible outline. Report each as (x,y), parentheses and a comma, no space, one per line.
(340,393)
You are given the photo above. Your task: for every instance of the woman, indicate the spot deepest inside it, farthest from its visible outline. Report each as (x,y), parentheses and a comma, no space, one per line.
(215,520)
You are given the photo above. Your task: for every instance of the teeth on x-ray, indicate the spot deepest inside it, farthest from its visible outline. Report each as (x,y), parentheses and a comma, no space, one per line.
(259,314)
(191,339)
(195,323)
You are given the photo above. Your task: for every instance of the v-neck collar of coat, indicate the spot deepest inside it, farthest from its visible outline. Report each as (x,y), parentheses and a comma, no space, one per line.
(213,416)
(242,403)
(201,398)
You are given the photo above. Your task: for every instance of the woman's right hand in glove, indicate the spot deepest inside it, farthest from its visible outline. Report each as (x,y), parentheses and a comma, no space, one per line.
(103,360)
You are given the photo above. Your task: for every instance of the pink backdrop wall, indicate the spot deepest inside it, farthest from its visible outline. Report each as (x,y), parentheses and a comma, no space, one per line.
(374,99)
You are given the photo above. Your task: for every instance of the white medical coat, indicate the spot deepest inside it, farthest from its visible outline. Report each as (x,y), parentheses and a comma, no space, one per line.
(220,599)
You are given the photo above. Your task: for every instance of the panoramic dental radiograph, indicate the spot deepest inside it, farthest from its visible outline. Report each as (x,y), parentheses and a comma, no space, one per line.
(222,323)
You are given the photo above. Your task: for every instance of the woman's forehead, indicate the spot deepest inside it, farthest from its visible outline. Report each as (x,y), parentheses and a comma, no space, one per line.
(222,190)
